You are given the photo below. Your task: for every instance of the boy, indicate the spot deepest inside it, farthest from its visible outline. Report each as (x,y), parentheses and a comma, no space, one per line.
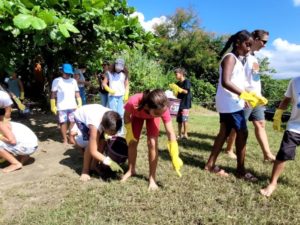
(18,141)
(291,137)
(93,121)
(182,90)
(65,91)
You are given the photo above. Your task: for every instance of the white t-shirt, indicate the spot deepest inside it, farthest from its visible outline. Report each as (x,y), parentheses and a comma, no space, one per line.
(293,91)
(227,101)
(253,82)
(117,83)
(91,114)
(66,89)
(5,100)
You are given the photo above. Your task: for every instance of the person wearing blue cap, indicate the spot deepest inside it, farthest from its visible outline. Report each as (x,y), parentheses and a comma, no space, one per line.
(64,94)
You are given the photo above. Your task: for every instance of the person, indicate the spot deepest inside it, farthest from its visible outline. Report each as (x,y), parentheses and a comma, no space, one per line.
(182,89)
(101,76)
(15,86)
(149,106)
(5,106)
(117,85)
(291,136)
(230,101)
(253,84)
(79,77)
(93,121)
(64,94)
(16,145)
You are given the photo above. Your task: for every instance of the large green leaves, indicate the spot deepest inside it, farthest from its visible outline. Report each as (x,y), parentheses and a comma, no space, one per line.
(24,21)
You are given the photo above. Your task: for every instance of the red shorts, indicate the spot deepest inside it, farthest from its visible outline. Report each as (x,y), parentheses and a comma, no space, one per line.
(152,126)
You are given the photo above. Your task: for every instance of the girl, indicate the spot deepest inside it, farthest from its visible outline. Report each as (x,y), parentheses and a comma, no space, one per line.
(149,106)
(230,103)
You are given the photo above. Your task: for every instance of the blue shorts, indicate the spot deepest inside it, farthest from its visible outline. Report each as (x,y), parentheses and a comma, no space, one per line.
(85,131)
(255,114)
(288,146)
(66,115)
(235,120)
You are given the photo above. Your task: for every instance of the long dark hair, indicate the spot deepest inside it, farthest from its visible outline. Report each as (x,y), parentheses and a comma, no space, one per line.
(155,99)
(238,37)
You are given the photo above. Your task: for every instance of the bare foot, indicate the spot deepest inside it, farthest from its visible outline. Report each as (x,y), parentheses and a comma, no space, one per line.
(84,177)
(267,191)
(12,167)
(127,175)
(152,186)
(231,154)
(217,170)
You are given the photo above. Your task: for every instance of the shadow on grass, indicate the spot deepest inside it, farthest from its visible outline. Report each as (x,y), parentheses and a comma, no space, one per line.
(201,136)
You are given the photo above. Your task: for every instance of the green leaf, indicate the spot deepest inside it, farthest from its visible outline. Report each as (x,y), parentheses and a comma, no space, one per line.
(64,30)
(15,32)
(71,28)
(29,4)
(22,21)
(48,16)
(38,23)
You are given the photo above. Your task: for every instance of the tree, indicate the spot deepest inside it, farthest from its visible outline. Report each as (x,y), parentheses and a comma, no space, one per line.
(58,31)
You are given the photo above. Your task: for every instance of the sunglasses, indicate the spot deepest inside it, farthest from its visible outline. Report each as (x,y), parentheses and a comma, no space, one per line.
(264,41)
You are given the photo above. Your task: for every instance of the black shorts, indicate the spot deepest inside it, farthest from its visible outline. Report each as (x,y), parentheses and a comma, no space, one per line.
(288,146)
(235,120)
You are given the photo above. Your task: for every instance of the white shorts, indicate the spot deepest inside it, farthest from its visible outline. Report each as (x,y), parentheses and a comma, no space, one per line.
(18,149)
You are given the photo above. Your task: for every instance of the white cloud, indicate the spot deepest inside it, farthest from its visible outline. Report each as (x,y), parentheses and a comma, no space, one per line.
(148,25)
(296,2)
(284,58)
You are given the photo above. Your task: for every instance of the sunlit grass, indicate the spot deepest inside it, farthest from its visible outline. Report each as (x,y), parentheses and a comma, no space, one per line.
(196,198)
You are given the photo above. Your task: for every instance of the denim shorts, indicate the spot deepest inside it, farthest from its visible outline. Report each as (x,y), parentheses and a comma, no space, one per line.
(182,116)
(255,114)
(235,120)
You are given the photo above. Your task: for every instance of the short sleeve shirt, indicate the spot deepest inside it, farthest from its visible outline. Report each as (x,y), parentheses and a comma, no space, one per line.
(293,92)
(66,89)
(132,105)
(5,100)
(186,99)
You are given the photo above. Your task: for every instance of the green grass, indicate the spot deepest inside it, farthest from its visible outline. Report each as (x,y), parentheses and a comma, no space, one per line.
(196,198)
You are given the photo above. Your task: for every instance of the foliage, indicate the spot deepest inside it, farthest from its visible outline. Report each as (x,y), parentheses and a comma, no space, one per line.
(203,92)
(184,44)
(67,30)
(145,73)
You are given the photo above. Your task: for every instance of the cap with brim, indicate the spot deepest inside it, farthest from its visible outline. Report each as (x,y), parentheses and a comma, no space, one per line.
(67,68)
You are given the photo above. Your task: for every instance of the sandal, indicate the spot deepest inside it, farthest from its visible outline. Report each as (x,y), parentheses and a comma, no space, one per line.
(248,177)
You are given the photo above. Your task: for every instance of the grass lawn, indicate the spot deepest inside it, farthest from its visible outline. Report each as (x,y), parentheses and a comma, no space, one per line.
(198,197)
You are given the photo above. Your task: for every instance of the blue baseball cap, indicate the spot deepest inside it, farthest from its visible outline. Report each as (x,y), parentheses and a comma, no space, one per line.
(67,68)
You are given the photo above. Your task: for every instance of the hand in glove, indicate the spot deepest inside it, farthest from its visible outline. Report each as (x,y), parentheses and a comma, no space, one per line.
(22,95)
(174,153)
(53,106)
(251,98)
(129,134)
(277,120)
(175,89)
(19,103)
(261,99)
(79,102)
(112,165)
(109,90)
(126,95)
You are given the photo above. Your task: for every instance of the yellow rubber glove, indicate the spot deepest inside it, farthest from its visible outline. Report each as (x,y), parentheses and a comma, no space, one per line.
(113,165)
(129,134)
(53,106)
(251,98)
(175,89)
(22,95)
(19,103)
(109,90)
(261,99)
(126,95)
(79,102)
(174,153)
(277,120)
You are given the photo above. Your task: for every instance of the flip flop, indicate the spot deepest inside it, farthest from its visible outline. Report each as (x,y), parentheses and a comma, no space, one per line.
(248,177)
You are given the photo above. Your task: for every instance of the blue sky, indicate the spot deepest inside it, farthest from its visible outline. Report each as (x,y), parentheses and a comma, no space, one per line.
(280,17)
